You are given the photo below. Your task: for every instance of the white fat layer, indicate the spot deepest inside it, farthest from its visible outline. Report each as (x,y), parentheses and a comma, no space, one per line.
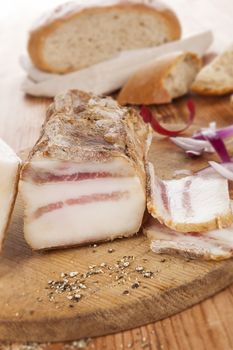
(216,244)
(8,174)
(208,197)
(118,165)
(37,196)
(157,200)
(225,235)
(78,224)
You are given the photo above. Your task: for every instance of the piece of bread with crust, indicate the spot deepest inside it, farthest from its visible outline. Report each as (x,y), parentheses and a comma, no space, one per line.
(162,80)
(217,77)
(75,36)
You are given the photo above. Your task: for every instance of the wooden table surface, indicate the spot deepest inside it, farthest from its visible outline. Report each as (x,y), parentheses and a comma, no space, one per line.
(204,326)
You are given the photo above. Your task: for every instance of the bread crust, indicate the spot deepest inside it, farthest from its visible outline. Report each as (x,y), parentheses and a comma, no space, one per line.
(201,89)
(207,84)
(217,223)
(147,85)
(231,100)
(49,24)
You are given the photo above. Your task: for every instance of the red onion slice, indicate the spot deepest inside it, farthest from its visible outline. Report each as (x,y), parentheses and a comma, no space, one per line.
(209,170)
(219,147)
(148,117)
(215,138)
(222,133)
(193,154)
(189,144)
(225,132)
(208,142)
(222,170)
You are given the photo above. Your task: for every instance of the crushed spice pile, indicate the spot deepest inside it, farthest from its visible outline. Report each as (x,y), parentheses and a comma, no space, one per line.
(77,344)
(75,285)
(24,346)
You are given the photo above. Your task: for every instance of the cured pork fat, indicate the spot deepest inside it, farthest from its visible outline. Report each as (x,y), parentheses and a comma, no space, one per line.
(85,179)
(9,176)
(211,245)
(195,203)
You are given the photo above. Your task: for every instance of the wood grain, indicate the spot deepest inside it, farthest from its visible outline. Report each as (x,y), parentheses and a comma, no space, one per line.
(207,325)
(27,312)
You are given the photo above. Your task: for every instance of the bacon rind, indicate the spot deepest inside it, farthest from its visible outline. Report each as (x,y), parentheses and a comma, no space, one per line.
(86,141)
(157,191)
(212,245)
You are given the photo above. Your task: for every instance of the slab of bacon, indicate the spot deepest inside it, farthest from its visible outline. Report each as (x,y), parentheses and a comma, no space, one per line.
(195,203)
(85,179)
(9,175)
(211,245)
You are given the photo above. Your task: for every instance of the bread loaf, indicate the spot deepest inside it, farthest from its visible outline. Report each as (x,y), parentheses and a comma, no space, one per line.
(217,77)
(162,80)
(76,36)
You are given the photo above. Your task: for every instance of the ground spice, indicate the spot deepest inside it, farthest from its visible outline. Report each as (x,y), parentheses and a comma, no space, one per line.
(76,285)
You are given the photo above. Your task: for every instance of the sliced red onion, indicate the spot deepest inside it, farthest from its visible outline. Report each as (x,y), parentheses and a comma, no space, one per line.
(148,117)
(193,154)
(219,147)
(209,143)
(210,131)
(225,132)
(189,144)
(209,170)
(204,139)
(196,147)
(222,170)
(215,138)
(222,132)
(146,114)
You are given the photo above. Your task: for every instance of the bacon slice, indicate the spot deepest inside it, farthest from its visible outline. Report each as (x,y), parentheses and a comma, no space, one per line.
(84,180)
(9,176)
(186,203)
(211,245)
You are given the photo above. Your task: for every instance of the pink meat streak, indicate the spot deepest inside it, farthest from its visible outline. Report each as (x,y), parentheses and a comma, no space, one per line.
(82,200)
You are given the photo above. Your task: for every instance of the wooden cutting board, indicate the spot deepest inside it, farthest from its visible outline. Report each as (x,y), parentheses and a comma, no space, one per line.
(126,284)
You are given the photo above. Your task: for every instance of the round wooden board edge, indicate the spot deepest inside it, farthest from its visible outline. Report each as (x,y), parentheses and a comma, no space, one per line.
(161,306)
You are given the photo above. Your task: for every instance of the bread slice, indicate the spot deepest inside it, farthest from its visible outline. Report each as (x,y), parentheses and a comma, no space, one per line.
(76,36)
(162,80)
(217,77)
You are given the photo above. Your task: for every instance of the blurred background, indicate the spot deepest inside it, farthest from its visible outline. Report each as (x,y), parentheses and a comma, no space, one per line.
(17,16)
(20,15)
